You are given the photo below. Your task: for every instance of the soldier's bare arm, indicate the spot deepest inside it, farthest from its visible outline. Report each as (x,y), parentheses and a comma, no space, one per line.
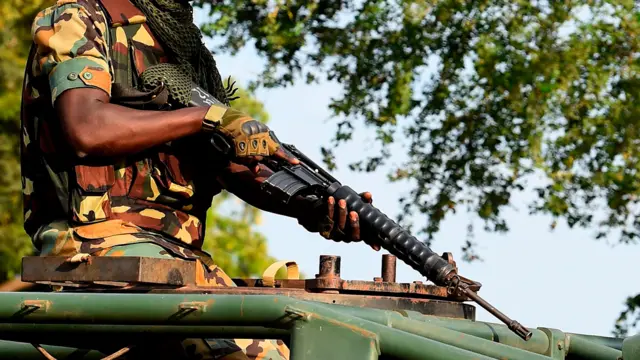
(95,127)
(72,54)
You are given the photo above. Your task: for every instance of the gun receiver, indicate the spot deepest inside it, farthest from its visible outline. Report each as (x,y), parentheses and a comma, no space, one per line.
(310,179)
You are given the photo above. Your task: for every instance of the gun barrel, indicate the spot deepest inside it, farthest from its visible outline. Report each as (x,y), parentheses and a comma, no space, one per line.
(515,326)
(377,228)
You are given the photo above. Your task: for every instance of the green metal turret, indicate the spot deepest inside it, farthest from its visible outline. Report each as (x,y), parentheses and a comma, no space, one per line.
(116,303)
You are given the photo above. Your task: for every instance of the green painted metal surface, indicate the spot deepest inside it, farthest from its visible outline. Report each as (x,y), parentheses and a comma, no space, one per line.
(579,347)
(557,348)
(611,342)
(317,338)
(631,348)
(74,319)
(460,339)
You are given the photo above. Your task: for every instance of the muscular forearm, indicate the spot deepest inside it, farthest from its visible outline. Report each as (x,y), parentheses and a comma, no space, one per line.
(245,184)
(97,128)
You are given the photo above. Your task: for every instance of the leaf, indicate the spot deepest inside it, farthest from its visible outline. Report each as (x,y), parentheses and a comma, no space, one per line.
(482,94)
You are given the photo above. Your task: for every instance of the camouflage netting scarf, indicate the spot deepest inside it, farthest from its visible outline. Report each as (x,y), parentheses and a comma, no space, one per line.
(171,21)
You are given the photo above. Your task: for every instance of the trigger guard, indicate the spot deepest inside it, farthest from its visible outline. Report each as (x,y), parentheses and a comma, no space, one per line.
(221,144)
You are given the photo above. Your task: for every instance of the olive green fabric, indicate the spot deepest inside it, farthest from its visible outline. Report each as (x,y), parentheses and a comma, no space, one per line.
(174,77)
(171,22)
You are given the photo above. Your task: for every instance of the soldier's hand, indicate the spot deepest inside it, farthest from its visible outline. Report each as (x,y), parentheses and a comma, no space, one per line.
(251,139)
(341,224)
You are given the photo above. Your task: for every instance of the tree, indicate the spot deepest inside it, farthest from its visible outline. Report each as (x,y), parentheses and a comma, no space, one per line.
(486,94)
(239,248)
(15,24)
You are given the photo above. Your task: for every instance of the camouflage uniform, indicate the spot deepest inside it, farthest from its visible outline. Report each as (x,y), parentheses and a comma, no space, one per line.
(148,204)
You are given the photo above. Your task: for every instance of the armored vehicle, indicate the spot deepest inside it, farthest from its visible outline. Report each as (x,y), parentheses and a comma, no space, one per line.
(118,303)
(72,309)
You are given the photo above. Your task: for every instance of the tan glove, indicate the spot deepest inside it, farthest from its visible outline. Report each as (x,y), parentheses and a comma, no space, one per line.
(252,139)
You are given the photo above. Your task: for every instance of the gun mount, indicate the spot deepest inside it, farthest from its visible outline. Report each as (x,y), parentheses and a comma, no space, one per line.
(125,301)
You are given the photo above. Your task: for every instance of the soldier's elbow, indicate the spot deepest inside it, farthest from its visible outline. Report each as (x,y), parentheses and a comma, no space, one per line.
(83,144)
(80,117)
(84,137)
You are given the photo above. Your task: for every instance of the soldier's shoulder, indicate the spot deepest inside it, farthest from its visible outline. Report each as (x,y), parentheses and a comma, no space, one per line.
(89,4)
(76,13)
(90,7)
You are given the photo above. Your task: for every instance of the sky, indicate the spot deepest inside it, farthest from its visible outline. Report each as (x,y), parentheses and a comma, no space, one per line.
(561,279)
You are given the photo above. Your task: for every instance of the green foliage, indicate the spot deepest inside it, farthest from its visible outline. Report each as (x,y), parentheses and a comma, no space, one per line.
(236,246)
(513,92)
(486,94)
(15,26)
(629,318)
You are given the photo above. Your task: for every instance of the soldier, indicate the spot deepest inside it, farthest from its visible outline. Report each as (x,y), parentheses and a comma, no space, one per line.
(110,168)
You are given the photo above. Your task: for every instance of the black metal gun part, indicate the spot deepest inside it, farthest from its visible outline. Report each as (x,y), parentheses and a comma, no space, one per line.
(310,179)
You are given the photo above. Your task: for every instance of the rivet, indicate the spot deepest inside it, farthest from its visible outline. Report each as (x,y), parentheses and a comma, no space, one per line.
(72,76)
(87,76)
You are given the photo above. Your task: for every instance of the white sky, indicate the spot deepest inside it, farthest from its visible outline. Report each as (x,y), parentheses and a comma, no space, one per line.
(562,279)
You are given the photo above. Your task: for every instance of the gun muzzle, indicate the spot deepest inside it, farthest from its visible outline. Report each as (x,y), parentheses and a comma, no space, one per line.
(520,330)
(513,325)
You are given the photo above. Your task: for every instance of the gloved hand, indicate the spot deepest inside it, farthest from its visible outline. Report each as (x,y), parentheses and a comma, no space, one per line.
(252,139)
(330,221)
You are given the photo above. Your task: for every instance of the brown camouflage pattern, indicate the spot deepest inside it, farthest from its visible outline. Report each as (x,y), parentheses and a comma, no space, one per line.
(69,38)
(163,191)
(131,38)
(210,275)
(134,40)
(59,239)
(68,51)
(152,204)
(122,13)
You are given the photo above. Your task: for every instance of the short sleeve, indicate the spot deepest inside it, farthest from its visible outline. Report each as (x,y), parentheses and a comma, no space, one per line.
(71,41)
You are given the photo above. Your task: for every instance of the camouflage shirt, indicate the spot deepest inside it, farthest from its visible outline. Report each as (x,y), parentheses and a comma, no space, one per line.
(86,205)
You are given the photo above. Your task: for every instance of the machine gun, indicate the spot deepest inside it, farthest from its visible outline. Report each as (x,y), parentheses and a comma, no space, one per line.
(308,179)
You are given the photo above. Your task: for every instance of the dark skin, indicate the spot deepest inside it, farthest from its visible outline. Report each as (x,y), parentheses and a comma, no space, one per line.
(125,131)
